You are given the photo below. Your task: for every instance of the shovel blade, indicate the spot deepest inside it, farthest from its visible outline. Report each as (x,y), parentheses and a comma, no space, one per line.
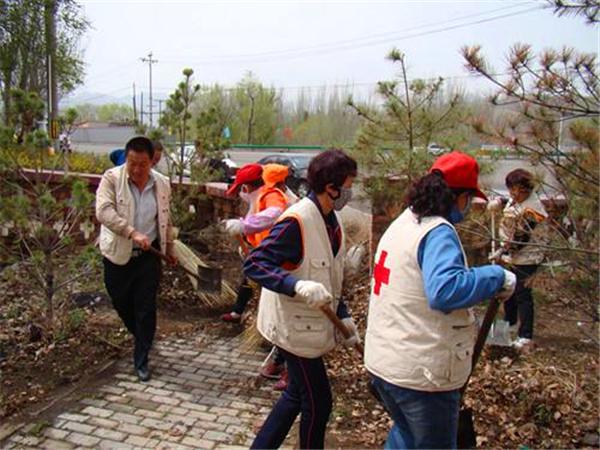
(499,334)
(466,437)
(209,279)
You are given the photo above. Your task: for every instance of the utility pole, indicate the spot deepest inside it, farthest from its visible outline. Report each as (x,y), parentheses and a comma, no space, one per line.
(150,61)
(52,85)
(160,102)
(142,108)
(134,108)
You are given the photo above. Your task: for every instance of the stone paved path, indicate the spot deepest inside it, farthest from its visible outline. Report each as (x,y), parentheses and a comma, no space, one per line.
(203,394)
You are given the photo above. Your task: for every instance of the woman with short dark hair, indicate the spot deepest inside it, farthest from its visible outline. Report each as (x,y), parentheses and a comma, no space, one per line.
(300,268)
(420,332)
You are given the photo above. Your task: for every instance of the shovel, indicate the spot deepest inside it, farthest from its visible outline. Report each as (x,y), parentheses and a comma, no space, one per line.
(209,278)
(499,334)
(466,429)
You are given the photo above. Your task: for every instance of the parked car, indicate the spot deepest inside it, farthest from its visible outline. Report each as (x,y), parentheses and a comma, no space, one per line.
(298,165)
(436,149)
(225,165)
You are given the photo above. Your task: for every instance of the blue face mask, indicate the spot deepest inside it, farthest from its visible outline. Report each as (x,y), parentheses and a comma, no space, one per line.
(456,215)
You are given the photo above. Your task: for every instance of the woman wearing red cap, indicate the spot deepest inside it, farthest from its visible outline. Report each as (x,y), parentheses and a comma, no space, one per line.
(421,332)
(265,192)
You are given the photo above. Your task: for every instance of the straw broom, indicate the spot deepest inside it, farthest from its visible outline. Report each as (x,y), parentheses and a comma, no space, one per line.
(190,260)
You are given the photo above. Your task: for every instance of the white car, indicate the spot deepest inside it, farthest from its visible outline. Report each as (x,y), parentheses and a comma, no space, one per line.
(436,149)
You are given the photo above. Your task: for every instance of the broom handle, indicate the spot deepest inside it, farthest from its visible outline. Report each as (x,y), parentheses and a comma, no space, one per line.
(490,315)
(164,258)
(243,244)
(340,326)
(488,319)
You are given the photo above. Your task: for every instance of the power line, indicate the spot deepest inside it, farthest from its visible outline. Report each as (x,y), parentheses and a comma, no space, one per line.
(350,44)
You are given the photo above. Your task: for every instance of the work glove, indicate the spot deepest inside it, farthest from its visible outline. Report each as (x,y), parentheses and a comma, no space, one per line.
(233,226)
(510,283)
(351,327)
(506,259)
(313,293)
(495,204)
(354,257)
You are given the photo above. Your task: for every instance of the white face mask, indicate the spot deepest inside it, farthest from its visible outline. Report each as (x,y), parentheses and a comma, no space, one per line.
(249,197)
(343,199)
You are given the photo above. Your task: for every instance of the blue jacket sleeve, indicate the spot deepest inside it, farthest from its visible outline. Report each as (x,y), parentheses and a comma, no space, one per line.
(448,284)
(281,248)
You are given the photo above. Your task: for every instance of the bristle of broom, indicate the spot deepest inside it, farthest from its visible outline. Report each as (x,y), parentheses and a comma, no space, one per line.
(250,339)
(190,260)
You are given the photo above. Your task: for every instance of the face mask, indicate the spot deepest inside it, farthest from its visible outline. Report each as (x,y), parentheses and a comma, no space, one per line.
(249,197)
(342,199)
(456,215)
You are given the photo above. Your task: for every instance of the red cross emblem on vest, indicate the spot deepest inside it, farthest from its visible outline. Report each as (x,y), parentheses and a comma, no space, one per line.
(381,274)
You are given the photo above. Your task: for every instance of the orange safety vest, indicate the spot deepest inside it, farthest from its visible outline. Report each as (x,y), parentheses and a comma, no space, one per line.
(280,199)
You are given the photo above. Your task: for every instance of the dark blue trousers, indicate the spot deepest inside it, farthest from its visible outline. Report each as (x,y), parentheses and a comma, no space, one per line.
(308,394)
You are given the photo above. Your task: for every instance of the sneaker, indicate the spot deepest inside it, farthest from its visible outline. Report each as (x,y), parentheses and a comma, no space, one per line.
(231,317)
(272,371)
(522,343)
(281,385)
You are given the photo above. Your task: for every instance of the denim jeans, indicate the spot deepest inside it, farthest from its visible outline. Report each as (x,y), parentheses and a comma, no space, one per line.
(520,304)
(308,393)
(421,419)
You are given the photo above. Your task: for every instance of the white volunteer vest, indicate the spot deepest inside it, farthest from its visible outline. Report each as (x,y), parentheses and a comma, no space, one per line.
(289,322)
(407,343)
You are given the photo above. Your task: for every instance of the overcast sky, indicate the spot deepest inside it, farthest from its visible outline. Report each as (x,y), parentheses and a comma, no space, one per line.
(309,43)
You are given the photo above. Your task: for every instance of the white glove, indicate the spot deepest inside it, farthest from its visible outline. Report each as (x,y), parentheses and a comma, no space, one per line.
(495,204)
(510,283)
(233,226)
(506,258)
(351,327)
(313,293)
(354,257)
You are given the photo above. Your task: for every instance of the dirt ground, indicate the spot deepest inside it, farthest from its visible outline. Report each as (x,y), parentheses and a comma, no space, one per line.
(546,398)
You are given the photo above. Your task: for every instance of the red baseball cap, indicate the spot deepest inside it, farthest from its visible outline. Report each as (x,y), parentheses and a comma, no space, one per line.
(247,174)
(459,171)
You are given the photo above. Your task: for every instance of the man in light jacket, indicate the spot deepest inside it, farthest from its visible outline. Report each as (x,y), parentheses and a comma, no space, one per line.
(132,206)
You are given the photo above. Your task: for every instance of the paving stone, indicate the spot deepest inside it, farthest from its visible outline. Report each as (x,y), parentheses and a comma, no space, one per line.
(72,417)
(156,391)
(52,444)
(55,433)
(97,412)
(150,414)
(107,444)
(217,436)
(79,427)
(165,400)
(198,443)
(101,422)
(129,428)
(122,408)
(194,406)
(82,439)
(128,418)
(155,424)
(94,402)
(223,411)
(144,404)
(112,399)
(115,390)
(105,433)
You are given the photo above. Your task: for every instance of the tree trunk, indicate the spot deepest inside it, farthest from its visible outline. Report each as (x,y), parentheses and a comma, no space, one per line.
(49,269)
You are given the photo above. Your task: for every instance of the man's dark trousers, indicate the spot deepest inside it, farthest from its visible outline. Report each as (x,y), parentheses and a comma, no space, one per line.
(132,288)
